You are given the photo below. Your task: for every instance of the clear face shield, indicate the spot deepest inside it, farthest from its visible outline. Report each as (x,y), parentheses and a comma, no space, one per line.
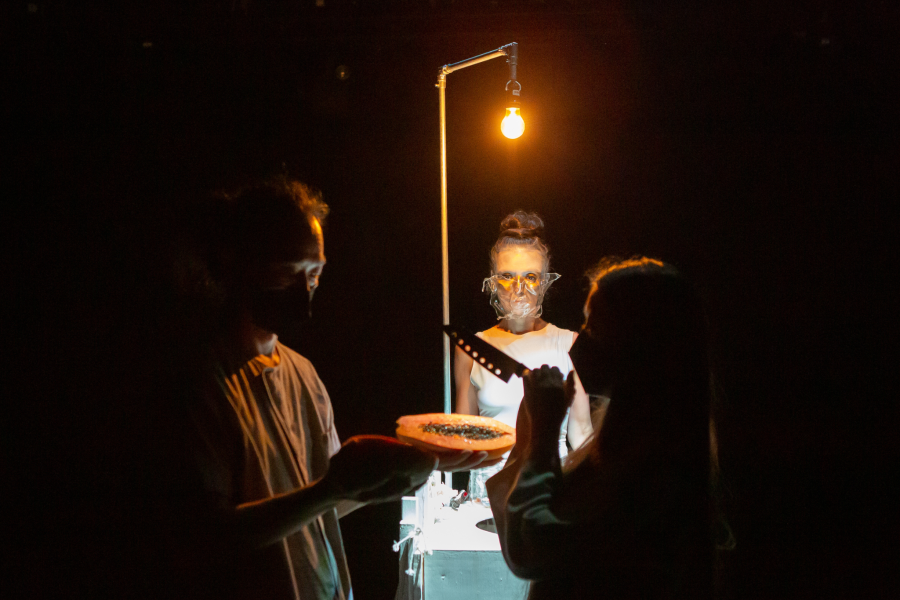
(518,296)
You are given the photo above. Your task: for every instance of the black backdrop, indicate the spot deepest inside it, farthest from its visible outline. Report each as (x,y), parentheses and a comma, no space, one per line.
(752,146)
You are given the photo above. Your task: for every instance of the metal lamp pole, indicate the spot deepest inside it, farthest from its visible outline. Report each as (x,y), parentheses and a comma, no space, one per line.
(511,51)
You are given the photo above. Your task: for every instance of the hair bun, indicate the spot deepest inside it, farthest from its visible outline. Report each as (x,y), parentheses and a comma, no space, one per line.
(522,224)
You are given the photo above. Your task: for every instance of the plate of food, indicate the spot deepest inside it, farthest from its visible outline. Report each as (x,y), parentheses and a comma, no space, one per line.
(442,433)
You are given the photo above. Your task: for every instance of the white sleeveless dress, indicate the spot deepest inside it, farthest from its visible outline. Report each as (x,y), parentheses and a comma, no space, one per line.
(501,401)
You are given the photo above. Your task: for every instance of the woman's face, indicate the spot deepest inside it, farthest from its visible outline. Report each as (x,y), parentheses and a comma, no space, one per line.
(588,353)
(519,272)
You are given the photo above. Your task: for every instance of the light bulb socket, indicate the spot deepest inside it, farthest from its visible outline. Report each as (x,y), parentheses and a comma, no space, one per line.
(513,94)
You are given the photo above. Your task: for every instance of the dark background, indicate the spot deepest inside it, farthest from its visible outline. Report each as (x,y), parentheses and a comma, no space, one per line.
(753,145)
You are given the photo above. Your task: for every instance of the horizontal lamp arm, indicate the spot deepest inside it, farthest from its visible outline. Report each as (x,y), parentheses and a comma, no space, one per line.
(510,50)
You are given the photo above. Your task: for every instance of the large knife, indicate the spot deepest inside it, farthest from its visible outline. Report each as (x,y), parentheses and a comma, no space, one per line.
(495,361)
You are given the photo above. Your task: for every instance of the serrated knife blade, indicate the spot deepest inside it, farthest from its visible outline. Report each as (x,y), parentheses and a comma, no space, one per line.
(495,361)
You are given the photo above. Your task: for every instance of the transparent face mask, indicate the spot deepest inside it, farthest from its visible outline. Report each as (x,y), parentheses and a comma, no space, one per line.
(518,296)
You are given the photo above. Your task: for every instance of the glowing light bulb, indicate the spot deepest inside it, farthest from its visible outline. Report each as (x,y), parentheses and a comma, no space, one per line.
(512,124)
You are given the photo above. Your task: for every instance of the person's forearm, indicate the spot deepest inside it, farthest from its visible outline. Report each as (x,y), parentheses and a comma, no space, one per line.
(345,507)
(542,453)
(580,428)
(257,524)
(528,528)
(578,434)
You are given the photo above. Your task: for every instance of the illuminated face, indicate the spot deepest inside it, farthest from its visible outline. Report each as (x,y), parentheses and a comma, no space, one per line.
(283,289)
(302,266)
(518,284)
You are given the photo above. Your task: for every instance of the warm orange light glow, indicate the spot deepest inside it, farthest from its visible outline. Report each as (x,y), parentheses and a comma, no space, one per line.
(638,261)
(512,125)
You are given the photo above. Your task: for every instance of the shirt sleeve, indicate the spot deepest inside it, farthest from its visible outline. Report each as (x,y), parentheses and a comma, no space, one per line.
(332,440)
(544,529)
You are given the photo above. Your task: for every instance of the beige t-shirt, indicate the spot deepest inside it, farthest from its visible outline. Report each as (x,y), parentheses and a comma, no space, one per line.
(273,432)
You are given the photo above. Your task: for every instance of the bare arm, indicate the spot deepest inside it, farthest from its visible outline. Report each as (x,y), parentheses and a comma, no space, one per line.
(466,394)
(254,525)
(345,507)
(579,428)
(210,535)
(366,469)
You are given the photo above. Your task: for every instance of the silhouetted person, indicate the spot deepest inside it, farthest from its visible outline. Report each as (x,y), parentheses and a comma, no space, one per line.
(629,515)
(265,478)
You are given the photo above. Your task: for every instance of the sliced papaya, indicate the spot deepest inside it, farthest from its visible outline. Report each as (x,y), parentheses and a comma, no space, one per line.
(440,431)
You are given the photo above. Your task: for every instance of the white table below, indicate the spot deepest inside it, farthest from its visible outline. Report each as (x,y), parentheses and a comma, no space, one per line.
(456,529)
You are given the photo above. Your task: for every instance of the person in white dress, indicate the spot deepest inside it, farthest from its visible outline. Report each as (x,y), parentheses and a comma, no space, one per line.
(520,275)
